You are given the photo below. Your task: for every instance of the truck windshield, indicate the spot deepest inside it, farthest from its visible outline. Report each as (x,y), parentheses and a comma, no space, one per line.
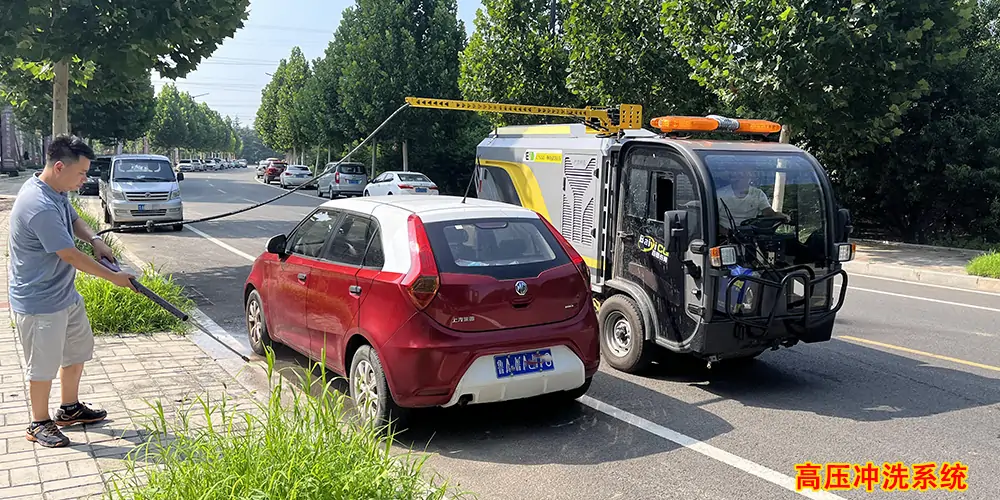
(143,171)
(745,187)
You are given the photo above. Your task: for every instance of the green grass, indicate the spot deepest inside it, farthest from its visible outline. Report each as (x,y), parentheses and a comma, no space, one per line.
(307,449)
(986,265)
(113,309)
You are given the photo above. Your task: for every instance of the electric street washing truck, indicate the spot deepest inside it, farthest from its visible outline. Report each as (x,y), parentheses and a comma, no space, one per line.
(717,248)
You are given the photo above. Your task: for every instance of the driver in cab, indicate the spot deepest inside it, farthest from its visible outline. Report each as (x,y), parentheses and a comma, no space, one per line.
(745,202)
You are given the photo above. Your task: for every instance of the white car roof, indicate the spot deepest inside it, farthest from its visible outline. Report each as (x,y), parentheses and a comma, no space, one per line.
(432,208)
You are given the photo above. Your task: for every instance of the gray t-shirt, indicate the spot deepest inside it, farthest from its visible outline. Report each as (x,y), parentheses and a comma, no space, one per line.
(41,224)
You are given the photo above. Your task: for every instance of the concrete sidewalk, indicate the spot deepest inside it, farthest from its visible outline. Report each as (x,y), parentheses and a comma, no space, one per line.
(919,263)
(127,373)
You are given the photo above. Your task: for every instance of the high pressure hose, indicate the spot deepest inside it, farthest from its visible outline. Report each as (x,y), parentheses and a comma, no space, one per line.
(150,225)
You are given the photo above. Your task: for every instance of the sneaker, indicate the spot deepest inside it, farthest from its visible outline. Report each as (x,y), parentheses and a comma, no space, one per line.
(78,413)
(46,434)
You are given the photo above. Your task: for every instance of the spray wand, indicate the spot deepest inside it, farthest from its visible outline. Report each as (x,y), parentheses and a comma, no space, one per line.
(139,287)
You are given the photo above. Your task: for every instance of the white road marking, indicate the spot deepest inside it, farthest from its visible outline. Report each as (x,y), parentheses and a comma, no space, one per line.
(221,191)
(925,299)
(750,467)
(222,244)
(966,290)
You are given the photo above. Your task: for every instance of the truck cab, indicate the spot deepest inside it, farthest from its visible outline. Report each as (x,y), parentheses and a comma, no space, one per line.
(136,189)
(717,249)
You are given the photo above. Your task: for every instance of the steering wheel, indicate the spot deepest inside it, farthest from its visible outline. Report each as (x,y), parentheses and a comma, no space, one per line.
(768,223)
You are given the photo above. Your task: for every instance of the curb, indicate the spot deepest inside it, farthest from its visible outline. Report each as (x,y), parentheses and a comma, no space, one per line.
(917,275)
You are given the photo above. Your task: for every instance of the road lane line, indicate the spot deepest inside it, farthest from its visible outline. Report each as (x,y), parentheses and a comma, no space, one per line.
(917,283)
(221,191)
(919,353)
(750,467)
(926,299)
(222,244)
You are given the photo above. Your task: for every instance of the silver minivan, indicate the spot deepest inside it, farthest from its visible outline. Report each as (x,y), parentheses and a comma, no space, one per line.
(140,188)
(348,179)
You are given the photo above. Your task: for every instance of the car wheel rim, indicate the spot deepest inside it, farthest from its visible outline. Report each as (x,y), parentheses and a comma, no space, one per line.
(619,336)
(366,390)
(254,322)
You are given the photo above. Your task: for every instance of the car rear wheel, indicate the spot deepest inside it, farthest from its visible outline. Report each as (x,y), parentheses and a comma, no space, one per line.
(623,336)
(366,193)
(370,391)
(256,325)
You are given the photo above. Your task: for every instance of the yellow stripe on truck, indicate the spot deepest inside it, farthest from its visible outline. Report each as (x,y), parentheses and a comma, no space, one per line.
(528,191)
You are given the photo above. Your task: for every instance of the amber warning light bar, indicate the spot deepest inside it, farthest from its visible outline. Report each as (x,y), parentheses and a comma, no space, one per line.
(713,123)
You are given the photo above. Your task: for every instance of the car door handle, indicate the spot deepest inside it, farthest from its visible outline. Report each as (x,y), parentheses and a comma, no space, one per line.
(355,290)
(302,277)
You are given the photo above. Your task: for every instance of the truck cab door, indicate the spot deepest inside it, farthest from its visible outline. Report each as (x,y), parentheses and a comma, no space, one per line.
(653,181)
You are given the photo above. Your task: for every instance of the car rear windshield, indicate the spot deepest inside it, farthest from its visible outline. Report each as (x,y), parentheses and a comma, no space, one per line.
(502,248)
(352,169)
(413,178)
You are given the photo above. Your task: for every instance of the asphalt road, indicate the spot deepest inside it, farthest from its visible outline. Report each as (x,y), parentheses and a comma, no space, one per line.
(912,376)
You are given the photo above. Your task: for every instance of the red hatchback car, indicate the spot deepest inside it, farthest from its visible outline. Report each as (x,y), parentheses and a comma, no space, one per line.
(429,301)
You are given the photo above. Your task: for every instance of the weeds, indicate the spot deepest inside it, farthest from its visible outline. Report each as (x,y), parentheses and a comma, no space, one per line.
(113,309)
(986,265)
(95,224)
(307,449)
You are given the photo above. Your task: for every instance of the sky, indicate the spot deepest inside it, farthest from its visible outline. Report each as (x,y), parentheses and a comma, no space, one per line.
(231,80)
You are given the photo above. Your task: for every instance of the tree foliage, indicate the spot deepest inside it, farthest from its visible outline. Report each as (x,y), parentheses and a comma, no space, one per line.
(181,122)
(515,57)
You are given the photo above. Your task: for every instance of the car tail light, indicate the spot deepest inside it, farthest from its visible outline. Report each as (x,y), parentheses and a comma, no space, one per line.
(405,186)
(435,188)
(336,178)
(574,256)
(421,281)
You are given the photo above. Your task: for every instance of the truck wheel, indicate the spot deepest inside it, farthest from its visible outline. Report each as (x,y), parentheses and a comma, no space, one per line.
(623,337)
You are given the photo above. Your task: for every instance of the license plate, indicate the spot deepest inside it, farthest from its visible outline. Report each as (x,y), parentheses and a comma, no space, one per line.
(421,190)
(522,363)
(142,207)
(302,175)
(353,181)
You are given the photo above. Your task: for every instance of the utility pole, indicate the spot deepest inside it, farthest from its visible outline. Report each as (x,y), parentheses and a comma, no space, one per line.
(406,162)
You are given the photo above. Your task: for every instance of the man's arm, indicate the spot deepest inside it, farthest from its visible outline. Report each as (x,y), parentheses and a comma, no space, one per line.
(47,226)
(83,230)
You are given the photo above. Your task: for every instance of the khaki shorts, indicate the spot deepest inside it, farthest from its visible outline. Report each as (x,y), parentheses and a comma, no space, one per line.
(62,338)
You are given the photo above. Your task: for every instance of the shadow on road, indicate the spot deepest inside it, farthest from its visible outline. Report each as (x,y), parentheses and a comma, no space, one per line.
(843,380)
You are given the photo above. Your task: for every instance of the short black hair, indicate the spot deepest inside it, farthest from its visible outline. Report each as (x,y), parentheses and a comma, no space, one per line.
(68,149)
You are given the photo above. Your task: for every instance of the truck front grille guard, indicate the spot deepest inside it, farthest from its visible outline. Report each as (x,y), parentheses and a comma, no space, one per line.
(807,318)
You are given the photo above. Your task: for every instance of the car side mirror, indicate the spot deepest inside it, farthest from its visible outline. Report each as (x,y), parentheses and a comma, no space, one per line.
(180,176)
(277,244)
(675,231)
(844,226)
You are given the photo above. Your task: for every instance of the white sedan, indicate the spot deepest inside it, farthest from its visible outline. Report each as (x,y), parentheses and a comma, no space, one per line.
(390,183)
(294,175)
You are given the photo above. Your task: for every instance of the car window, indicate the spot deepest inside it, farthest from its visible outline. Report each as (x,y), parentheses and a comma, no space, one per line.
(350,240)
(494,247)
(375,257)
(413,178)
(352,169)
(137,170)
(309,237)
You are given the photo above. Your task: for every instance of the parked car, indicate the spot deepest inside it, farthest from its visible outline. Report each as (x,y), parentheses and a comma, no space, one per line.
(92,185)
(261,167)
(390,183)
(140,188)
(242,163)
(347,179)
(429,302)
(273,170)
(294,175)
(185,166)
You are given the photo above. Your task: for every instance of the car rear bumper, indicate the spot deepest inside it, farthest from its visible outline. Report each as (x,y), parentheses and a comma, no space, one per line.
(296,181)
(429,365)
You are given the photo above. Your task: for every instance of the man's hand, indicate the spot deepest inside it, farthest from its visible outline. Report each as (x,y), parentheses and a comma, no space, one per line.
(123,280)
(101,249)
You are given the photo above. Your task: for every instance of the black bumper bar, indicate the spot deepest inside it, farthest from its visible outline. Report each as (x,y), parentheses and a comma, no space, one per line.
(807,318)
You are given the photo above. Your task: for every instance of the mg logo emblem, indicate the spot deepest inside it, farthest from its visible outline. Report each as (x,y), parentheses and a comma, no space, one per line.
(521,288)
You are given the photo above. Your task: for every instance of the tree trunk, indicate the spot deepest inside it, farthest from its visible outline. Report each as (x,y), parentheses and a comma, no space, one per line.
(60,98)
(406,159)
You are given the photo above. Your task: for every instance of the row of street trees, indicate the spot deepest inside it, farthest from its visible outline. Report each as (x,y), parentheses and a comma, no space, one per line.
(182,123)
(382,51)
(898,99)
(92,60)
